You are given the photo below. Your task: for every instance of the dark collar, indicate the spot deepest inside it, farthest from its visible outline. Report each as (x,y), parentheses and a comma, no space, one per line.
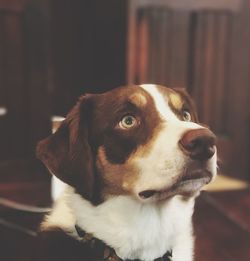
(108,253)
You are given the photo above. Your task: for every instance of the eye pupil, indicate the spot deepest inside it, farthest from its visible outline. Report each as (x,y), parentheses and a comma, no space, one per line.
(129,120)
(186,116)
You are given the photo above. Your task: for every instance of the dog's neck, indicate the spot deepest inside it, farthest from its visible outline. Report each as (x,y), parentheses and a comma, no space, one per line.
(133,229)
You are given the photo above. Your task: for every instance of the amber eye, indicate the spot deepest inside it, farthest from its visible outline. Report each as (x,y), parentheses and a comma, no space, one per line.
(186,116)
(127,122)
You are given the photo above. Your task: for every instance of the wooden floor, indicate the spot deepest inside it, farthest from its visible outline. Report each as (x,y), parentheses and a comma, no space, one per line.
(222,226)
(221,221)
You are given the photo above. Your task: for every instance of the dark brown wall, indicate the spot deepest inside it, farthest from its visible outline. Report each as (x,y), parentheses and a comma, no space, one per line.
(88,48)
(23,77)
(51,52)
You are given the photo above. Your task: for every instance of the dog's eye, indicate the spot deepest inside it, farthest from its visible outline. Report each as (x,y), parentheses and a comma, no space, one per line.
(186,116)
(127,122)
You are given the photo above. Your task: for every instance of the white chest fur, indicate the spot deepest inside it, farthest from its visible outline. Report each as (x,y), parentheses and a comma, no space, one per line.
(134,230)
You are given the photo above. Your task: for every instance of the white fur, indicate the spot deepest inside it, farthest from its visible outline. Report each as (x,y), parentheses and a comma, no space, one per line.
(133,229)
(160,103)
(57,187)
(61,214)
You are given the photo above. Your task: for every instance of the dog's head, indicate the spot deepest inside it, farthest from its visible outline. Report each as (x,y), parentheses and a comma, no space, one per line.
(142,141)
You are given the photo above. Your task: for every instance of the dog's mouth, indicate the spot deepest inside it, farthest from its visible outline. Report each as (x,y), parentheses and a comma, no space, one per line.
(187,185)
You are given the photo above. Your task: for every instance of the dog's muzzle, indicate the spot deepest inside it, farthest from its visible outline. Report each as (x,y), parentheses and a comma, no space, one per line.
(199,146)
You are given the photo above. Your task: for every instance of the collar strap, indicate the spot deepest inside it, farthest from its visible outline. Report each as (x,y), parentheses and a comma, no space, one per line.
(107,252)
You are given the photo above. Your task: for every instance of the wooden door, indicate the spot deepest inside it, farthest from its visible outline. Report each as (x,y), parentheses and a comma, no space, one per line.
(202,46)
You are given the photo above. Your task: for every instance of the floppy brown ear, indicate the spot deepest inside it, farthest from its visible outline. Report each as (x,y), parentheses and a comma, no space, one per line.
(189,101)
(67,153)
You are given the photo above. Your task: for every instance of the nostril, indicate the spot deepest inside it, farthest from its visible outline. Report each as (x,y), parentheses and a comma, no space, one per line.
(211,151)
(194,144)
(201,149)
(147,193)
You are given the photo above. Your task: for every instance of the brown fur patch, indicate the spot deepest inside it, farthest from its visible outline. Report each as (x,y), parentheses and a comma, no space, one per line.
(176,101)
(188,103)
(118,179)
(138,99)
(145,149)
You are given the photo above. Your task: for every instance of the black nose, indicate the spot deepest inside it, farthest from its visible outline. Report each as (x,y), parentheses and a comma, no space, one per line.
(198,144)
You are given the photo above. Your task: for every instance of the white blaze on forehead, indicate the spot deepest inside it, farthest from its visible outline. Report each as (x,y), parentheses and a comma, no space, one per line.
(160,103)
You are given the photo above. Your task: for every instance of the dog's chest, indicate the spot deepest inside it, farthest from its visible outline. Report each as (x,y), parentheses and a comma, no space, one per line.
(135,231)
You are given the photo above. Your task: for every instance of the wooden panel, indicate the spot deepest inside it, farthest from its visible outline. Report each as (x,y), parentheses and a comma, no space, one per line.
(218,237)
(239,92)
(180,49)
(208,82)
(160,50)
(223,27)
(141,55)
(154,17)
(179,10)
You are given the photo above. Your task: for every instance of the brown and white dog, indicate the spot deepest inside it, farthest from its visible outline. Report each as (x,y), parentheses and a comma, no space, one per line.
(133,159)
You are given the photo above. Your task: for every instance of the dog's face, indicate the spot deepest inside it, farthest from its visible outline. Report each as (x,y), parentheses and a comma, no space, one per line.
(142,141)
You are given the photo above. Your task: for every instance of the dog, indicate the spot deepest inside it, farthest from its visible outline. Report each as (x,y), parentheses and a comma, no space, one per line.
(134,159)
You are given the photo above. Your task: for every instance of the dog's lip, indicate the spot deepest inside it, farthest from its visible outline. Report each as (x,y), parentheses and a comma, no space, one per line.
(186,185)
(189,186)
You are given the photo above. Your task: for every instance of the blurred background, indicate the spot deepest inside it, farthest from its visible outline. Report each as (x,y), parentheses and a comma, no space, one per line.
(52,51)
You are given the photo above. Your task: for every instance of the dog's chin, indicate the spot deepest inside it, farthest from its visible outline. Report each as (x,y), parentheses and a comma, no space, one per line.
(187,185)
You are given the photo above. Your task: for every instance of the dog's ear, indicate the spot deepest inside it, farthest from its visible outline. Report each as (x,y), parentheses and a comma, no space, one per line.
(188,101)
(67,153)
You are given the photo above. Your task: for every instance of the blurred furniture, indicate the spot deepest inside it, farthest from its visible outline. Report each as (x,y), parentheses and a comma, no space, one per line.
(204,47)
